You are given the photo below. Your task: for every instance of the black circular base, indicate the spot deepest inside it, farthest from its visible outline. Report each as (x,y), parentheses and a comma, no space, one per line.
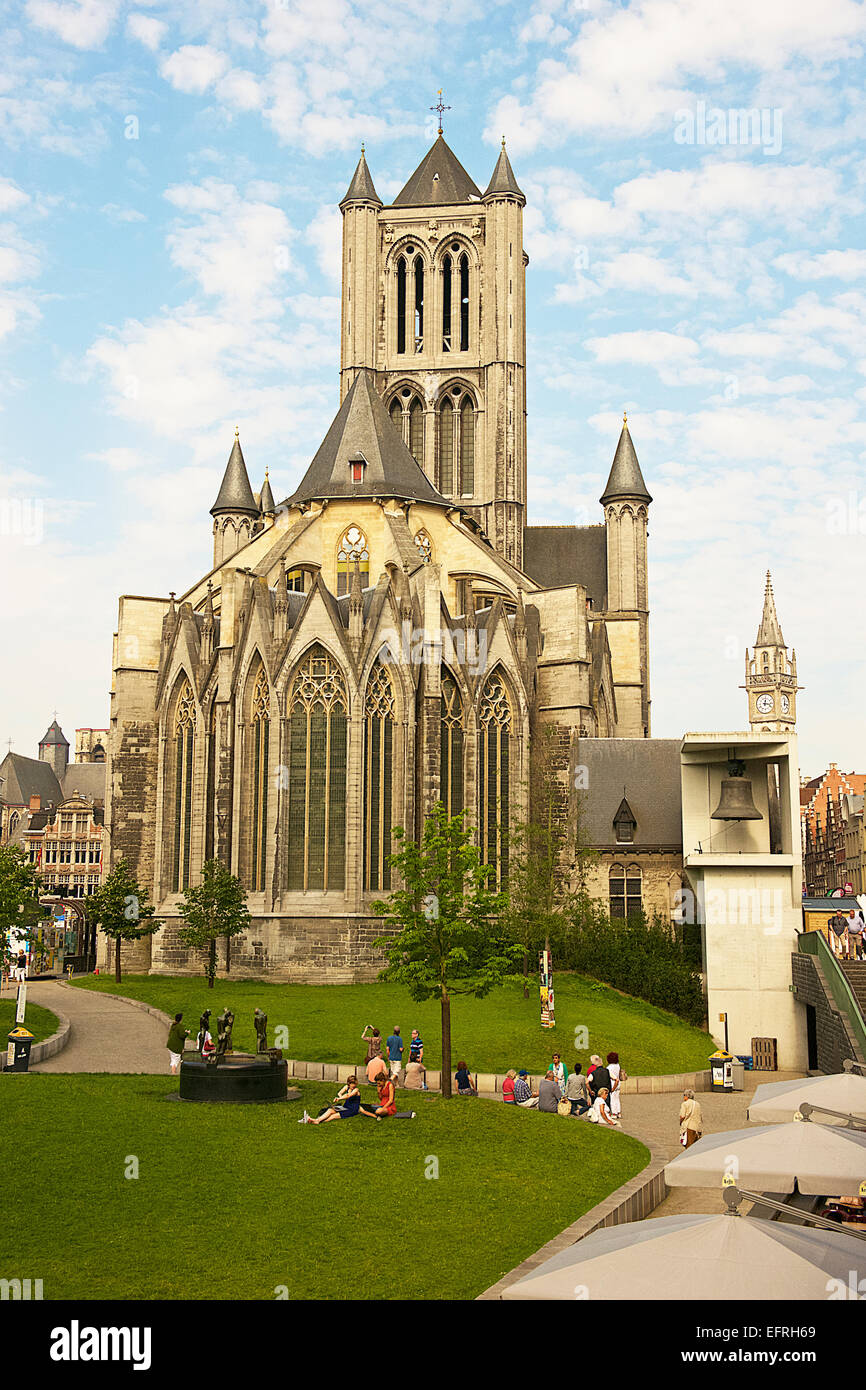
(240,1079)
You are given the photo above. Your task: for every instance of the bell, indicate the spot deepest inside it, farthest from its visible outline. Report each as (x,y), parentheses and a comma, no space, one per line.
(736,801)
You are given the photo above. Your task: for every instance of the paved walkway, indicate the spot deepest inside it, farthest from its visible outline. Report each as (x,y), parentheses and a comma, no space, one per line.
(107,1035)
(655,1120)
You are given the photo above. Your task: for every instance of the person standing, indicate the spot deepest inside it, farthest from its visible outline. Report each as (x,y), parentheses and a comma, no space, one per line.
(21,967)
(600,1078)
(177,1036)
(854,928)
(373,1038)
(395,1052)
(691,1120)
(560,1072)
(617,1077)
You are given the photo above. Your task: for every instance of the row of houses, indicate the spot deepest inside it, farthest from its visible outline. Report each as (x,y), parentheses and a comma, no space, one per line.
(834,833)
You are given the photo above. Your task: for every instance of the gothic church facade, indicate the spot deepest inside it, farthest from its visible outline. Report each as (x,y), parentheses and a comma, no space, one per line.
(393,633)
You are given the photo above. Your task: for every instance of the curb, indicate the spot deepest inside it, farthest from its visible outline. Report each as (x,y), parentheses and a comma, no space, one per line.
(631,1202)
(49,1047)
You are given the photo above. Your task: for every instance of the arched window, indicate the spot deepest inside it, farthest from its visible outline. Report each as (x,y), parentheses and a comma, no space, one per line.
(416,431)
(395,410)
(467,447)
(625,887)
(401,304)
(494,731)
(184,749)
(451,746)
(316,838)
(464,303)
(353,549)
(260,720)
(378,771)
(210,788)
(457,444)
(446,448)
(447,275)
(98,754)
(425,546)
(419,304)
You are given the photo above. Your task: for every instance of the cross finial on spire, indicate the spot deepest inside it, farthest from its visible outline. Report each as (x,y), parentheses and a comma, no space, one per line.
(624,418)
(362,147)
(237,431)
(503,142)
(440,107)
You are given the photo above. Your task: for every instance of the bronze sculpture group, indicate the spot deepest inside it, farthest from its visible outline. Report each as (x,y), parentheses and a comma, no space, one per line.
(225,1023)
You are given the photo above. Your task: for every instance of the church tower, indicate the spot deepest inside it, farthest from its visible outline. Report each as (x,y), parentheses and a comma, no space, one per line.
(626,501)
(433,304)
(235,512)
(771,676)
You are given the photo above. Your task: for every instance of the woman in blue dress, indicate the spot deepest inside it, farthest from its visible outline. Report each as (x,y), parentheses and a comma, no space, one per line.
(347,1103)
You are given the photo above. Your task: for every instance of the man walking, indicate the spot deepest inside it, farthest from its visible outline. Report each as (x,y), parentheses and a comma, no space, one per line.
(395,1052)
(177,1036)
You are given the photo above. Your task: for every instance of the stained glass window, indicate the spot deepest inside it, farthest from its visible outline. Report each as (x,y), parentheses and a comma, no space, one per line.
(378,769)
(184,747)
(353,549)
(494,737)
(451,746)
(260,721)
(318,708)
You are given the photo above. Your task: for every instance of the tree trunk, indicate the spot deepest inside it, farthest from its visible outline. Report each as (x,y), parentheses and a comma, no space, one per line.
(526,974)
(228,954)
(211,968)
(446,1045)
(117,959)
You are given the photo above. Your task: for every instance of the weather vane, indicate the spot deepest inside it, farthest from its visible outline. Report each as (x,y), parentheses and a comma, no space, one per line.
(440,107)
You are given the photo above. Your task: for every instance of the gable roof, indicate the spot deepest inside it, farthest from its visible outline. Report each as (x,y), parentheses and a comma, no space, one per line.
(26,777)
(362,429)
(440,178)
(645,774)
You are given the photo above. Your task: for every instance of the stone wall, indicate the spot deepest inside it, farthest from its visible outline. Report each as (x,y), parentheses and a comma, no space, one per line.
(315,950)
(835,1042)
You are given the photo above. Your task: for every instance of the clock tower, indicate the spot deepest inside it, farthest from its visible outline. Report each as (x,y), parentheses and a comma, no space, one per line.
(771,675)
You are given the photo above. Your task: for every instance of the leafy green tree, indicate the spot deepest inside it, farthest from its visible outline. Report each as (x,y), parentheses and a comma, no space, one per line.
(215,907)
(121,908)
(19,900)
(449,936)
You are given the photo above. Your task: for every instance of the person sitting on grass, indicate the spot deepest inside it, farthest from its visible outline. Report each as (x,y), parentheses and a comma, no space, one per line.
(577,1091)
(522,1093)
(465,1084)
(508,1087)
(549,1094)
(387,1104)
(347,1104)
(600,1112)
(375,1068)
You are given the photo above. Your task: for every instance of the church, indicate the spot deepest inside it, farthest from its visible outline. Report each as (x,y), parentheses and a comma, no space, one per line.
(392,634)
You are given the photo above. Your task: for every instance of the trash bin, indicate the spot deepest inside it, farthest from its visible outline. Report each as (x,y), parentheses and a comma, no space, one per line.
(720,1071)
(18,1051)
(737,1070)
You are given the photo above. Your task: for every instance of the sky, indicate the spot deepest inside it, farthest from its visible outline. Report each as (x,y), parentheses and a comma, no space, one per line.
(169,268)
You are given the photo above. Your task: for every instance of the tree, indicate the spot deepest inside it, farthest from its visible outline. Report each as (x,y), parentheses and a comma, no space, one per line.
(19,899)
(449,937)
(216,907)
(121,909)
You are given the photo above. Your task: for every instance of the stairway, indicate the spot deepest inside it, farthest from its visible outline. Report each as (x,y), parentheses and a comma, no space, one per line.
(855,974)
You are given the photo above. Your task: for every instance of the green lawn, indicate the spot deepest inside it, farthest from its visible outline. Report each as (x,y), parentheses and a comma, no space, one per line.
(324,1022)
(232,1202)
(40,1022)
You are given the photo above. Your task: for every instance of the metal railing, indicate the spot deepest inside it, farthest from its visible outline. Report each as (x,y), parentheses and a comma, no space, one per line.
(812,943)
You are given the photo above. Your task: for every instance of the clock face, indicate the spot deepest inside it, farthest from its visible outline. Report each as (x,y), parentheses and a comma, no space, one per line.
(786,704)
(764,704)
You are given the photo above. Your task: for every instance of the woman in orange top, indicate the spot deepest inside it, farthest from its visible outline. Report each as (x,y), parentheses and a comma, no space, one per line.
(387,1101)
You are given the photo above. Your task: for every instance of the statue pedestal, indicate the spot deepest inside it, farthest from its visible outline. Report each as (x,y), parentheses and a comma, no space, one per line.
(241,1078)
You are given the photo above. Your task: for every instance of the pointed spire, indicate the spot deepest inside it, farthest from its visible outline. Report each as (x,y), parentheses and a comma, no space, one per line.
(361,189)
(503,181)
(439,179)
(625,482)
(209,617)
(769,632)
(266,498)
(235,494)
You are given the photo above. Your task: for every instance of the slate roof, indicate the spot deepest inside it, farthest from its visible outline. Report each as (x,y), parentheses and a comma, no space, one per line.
(361,189)
(503,180)
(266,497)
(88,779)
(26,777)
(625,480)
(363,429)
(645,771)
(557,555)
(235,494)
(53,735)
(439,179)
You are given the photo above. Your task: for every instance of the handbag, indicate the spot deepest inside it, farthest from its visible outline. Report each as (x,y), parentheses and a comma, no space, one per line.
(563,1107)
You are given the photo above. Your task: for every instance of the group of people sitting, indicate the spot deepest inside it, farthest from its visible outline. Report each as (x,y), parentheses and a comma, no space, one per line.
(347,1104)
(596,1096)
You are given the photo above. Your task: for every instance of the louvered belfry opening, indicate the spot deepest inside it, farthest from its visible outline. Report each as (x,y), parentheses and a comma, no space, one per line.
(318,711)
(378,778)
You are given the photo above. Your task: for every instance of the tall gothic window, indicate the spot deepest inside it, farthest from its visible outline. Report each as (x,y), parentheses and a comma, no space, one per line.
(318,710)
(419,304)
(457,444)
(184,748)
(416,431)
(451,747)
(401,304)
(210,788)
(464,303)
(447,280)
(260,729)
(494,731)
(378,771)
(410,302)
(353,550)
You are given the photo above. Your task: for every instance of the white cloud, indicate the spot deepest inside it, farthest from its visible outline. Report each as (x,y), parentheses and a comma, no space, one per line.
(193,68)
(829,265)
(146,30)
(81,23)
(647,348)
